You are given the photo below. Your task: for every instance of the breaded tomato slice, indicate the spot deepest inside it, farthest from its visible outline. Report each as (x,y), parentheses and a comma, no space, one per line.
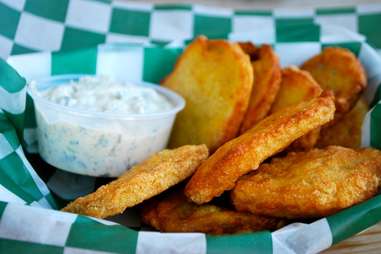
(267,78)
(297,86)
(347,131)
(310,184)
(215,77)
(174,213)
(141,182)
(246,152)
(339,70)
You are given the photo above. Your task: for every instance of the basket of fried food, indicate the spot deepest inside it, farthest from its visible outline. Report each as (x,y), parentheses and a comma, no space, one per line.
(256,147)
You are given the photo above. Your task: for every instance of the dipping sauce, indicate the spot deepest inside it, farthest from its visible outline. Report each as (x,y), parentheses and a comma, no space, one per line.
(102,94)
(100,127)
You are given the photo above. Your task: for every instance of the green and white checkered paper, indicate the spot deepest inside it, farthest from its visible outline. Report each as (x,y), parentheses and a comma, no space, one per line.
(46,25)
(28,221)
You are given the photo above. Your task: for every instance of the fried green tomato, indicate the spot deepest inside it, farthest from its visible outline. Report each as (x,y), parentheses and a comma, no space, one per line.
(245,153)
(175,213)
(267,76)
(298,86)
(143,181)
(347,131)
(310,184)
(338,70)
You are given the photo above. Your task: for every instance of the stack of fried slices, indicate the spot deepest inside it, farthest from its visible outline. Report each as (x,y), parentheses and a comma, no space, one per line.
(256,147)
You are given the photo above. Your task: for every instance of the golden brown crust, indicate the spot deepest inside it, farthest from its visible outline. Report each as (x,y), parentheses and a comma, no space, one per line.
(347,130)
(297,86)
(141,182)
(310,184)
(339,70)
(267,77)
(243,154)
(175,214)
(306,142)
(215,77)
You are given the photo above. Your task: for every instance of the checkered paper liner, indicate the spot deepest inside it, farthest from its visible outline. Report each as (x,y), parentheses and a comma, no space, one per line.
(28,221)
(44,25)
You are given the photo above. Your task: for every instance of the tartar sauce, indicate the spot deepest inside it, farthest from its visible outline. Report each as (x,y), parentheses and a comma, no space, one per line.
(93,144)
(102,94)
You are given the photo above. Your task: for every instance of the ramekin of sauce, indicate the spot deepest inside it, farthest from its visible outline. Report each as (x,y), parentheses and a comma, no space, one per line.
(96,126)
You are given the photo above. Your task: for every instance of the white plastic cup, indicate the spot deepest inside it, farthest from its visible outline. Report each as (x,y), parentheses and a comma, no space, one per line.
(100,143)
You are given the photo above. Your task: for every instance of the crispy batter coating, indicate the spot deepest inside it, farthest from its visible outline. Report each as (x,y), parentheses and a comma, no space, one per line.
(175,213)
(310,184)
(215,77)
(141,182)
(338,69)
(297,86)
(267,75)
(244,153)
(347,131)
(306,142)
